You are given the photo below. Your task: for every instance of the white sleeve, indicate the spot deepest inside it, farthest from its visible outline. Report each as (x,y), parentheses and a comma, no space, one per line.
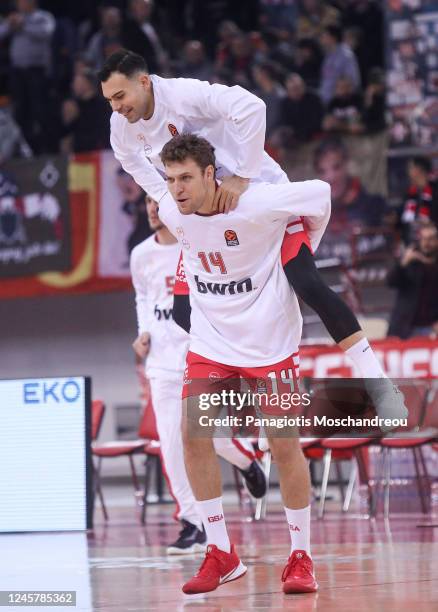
(141,303)
(139,167)
(307,199)
(244,112)
(166,211)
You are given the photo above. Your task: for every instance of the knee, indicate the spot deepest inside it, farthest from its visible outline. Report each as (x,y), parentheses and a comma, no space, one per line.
(286,450)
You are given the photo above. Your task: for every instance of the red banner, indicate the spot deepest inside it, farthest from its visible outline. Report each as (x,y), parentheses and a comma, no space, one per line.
(85,177)
(416,358)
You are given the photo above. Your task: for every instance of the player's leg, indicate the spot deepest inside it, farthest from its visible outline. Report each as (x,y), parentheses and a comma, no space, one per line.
(166,398)
(221,563)
(281,381)
(341,323)
(294,477)
(240,453)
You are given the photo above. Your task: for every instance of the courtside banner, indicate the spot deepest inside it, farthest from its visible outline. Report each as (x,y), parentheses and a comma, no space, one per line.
(67,211)
(331,407)
(415,358)
(34,217)
(45,456)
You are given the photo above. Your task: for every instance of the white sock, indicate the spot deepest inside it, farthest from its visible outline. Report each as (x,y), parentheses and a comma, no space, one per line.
(212,515)
(299,528)
(365,360)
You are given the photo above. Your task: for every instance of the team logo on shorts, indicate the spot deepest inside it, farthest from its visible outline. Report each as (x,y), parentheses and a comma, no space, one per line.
(172,129)
(231,238)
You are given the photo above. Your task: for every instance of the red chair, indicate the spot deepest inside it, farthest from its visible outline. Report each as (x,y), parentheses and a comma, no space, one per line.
(128,448)
(97,414)
(422,429)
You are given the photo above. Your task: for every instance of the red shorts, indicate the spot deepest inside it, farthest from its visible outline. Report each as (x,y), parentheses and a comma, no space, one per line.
(294,237)
(204,376)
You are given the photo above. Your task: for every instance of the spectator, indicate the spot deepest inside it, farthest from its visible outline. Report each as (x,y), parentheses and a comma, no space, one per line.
(12,143)
(314,17)
(86,117)
(30,32)
(195,64)
(339,61)
(240,61)
(351,203)
(421,202)
(270,91)
(308,59)
(133,206)
(227,32)
(140,36)
(366,17)
(301,110)
(344,109)
(373,111)
(415,277)
(279,14)
(108,39)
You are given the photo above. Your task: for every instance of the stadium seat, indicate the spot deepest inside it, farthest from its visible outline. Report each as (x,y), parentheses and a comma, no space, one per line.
(422,403)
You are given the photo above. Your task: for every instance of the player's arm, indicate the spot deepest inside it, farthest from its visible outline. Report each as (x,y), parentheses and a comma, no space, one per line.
(245,115)
(137,165)
(141,344)
(307,199)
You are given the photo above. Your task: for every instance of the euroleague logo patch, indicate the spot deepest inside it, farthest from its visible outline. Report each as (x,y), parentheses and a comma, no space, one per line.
(172,129)
(231,238)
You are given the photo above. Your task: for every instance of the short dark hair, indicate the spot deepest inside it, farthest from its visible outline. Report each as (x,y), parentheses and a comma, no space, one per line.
(185,146)
(423,163)
(331,145)
(334,31)
(124,61)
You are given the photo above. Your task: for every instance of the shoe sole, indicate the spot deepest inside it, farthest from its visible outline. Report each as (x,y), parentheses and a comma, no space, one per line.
(239,571)
(300,588)
(235,574)
(195,548)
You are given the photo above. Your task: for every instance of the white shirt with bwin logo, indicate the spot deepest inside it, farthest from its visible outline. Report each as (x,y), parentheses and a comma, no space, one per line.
(153,268)
(243,310)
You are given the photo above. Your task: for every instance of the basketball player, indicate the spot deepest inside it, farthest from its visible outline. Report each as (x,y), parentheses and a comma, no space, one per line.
(246,323)
(164,346)
(149,110)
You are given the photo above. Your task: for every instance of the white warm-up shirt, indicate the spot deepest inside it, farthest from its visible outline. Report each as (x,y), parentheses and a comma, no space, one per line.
(232,119)
(244,312)
(153,267)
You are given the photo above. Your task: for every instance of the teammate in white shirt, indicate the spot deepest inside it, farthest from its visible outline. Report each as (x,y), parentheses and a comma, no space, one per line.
(164,345)
(149,110)
(245,323)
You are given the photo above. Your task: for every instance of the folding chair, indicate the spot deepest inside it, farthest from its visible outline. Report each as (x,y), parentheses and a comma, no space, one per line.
(97,414)
(422,429)
(128,448)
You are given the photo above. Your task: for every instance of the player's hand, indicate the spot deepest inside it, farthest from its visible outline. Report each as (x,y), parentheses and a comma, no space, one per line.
(142,345)
(229,192)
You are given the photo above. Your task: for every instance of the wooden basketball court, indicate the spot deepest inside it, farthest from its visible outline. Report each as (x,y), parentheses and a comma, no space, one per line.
(361,565)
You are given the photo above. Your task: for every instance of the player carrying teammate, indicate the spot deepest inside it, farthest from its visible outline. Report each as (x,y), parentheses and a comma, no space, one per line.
(246,323)
(149,110)
(164,345)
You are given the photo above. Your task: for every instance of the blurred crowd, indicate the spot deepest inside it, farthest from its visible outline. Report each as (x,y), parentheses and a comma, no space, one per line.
(310,61)
(317,64)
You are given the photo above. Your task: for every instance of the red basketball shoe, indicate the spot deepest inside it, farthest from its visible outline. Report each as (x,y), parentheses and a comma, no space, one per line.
(298,574)
(217,568)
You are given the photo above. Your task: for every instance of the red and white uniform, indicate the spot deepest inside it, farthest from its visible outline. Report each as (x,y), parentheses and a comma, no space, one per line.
(153,267)
(244,312)
(231,118)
